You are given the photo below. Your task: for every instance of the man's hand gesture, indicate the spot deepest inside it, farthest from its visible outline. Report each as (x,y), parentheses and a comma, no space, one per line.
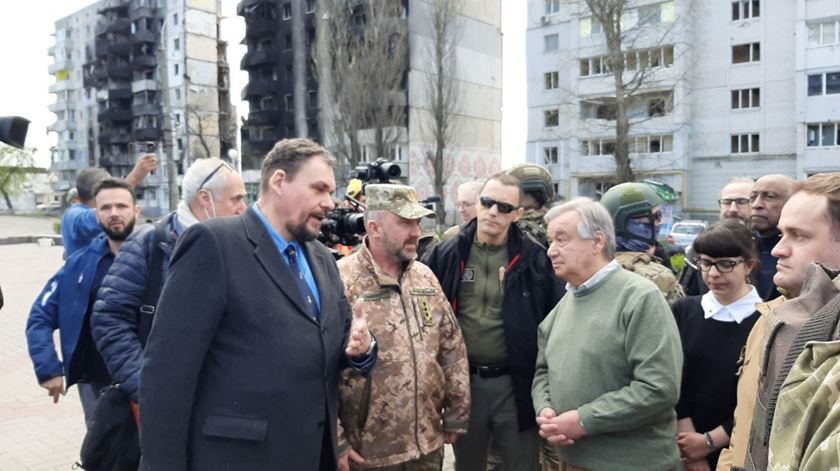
(359,343)
(54,387)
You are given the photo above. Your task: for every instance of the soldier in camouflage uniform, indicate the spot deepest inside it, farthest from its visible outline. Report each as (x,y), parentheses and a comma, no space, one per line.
(634,208)
(418,397)
(538,186)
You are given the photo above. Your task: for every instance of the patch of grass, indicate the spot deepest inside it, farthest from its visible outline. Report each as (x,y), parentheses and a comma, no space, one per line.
(677,261)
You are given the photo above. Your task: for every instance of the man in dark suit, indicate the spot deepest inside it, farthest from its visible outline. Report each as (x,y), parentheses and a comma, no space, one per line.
(241,367)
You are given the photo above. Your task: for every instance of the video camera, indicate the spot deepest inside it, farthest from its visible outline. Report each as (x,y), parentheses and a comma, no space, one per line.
(345,225)
(379,170)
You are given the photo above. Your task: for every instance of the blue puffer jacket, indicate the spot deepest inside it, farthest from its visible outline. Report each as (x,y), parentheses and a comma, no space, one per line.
(62,305)
(115,320)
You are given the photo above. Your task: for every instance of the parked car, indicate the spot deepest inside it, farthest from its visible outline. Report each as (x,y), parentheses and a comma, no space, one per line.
(683,233)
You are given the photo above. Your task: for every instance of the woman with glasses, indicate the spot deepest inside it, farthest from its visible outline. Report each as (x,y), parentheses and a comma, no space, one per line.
(713,328)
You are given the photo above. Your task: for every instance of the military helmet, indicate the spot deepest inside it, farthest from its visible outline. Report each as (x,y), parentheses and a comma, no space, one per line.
(535,181)
(629,200)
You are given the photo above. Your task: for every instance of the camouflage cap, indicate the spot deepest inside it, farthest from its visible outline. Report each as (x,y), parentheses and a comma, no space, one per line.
(398,199)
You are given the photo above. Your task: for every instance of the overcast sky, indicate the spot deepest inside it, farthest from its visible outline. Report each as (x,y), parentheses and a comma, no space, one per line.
(26,29)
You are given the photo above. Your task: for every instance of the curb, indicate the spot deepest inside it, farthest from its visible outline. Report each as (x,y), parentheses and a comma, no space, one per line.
(31,239)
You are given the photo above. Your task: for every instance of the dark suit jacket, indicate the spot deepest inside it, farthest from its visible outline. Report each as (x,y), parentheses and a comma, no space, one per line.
(236,376)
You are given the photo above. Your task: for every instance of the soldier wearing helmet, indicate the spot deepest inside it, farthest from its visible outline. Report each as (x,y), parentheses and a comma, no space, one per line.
(538,186)
(634,208)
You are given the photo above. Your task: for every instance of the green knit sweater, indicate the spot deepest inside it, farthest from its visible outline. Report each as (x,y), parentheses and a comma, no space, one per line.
(613,352)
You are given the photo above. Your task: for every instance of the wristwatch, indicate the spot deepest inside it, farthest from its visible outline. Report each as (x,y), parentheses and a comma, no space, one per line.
(709,442)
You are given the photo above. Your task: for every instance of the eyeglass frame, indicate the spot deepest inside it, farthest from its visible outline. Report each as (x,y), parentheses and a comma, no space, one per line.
(705,265)
(504,208)
(215,170)
(464,204)
(740,202)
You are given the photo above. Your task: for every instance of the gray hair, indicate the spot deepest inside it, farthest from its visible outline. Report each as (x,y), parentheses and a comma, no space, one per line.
(594,218)
(198,171)
(374,216)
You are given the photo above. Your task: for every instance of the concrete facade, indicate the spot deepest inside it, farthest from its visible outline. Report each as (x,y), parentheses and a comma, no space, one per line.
(734,79)
(137,73)
(475,149)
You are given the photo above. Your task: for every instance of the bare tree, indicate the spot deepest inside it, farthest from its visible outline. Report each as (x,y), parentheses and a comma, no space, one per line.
(442,88)
(15,165)
(634,70)
(197,126)
(361,62)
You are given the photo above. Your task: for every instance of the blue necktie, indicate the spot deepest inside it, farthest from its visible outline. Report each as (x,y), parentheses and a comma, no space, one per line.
(303,286)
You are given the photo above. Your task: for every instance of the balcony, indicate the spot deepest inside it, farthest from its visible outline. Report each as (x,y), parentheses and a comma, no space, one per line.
(119,93)
(62,125)
(264,117)
(145,109)
(142,12)
(260,87)
(256,58)
(115,115)
(260,27)
(62,105)
(144,85)
(144,37)
(144,62)
(259,146)
(114,137)
(146,134)
(120,46)
(117,25)
(244,4)
(118,71)
(63,64)
(60,86)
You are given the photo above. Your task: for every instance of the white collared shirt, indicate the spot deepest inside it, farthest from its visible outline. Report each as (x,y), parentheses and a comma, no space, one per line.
(735,312)
(596,278)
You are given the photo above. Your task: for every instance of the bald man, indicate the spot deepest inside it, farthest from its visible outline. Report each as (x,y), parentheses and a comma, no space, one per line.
(467,198)
(767,197)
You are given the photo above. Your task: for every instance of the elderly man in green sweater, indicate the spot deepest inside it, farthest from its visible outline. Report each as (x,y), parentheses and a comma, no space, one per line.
(609,362)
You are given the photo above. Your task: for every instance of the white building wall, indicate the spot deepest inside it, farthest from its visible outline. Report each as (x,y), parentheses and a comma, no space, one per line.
(475,150)
(702,121)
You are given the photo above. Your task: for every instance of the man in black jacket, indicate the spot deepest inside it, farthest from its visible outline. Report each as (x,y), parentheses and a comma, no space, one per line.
(501,286)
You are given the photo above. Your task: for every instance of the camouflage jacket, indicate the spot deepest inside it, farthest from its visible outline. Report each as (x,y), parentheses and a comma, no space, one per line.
(648,267)
(420,385)
(806,432)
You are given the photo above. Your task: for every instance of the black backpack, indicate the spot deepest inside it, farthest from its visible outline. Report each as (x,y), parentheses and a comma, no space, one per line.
(112,441)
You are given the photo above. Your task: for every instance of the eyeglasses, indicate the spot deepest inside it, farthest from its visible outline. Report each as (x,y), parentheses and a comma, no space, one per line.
(488,203)
(215,170)
(724,265)
(462,204)
(727,202)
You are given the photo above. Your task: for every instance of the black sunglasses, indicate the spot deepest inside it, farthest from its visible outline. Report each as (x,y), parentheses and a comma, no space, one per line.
(504,208)
(207,179)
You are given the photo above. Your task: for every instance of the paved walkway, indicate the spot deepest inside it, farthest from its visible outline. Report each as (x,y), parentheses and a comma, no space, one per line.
(35,434)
